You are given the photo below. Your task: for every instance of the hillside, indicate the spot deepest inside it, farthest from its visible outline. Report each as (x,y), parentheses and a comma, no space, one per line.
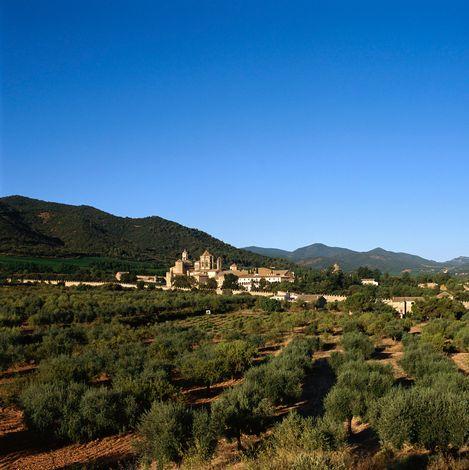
(37,228)
(320,256)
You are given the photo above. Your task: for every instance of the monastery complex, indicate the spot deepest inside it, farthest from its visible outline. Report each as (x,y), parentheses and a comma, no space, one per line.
(207,267)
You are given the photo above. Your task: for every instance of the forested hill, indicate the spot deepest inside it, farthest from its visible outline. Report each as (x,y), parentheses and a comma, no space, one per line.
(39,228)
(318,256)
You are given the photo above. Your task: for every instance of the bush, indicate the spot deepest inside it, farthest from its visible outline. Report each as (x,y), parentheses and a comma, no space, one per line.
(269,305)
(358,385)
(461,339)
(425,418)
(76,412)
(9,350)
(101,412)
(296,433)
(63,369)
(421,359)
(212,363)
(204,436)
(165,433)
(241,409)
(357,345)
(43,406)
(280,385)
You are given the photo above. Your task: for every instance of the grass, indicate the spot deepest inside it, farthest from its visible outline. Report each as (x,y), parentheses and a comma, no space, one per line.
(81,262)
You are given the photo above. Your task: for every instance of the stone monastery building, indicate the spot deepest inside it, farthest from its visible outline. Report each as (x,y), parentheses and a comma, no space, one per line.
(207,267)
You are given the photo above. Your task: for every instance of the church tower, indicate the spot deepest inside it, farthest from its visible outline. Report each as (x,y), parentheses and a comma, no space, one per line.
(185,255)
(206,261)
(219,263)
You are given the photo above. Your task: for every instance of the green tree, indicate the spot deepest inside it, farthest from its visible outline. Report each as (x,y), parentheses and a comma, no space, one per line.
(357,344)
(424,417)
(184,282)
(230,281)
(269,305)
(211,284)
(242,409)
(165,433)
(358,385)
(320,303)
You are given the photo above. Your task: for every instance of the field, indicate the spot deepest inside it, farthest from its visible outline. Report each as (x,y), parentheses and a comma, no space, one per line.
(99,378)
(95,267)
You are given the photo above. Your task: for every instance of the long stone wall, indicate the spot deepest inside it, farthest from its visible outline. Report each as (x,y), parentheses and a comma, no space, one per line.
(403,306)
(72,283)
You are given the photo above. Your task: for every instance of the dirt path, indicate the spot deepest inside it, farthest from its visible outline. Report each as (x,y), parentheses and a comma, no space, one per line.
(462,361)
(391,352)
(99,452)
(22,449)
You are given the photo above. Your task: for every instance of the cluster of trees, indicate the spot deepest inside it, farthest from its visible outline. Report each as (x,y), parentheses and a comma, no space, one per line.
(45,305)
(103,386)
(247,408)
(331,281)
(212,363)
(380,325)
(359,384)
(78,269)
(444,334)
(424,310)
(100,380)
(433,412)
(171,431)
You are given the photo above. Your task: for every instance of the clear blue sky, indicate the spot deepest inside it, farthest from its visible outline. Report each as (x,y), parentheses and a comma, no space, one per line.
(270,123)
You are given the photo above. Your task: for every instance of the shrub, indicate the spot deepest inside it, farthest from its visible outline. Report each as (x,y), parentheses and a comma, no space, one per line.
(204,435)
(269,305)
(421,359)
(296,433)
(211,363)
(394,329)
(101,412)
(165,433)
(43,406)
(241,409)
(358,385)
(63,369)
(9,351)
(280,385)
(357,344)
(461,339)
(426,418)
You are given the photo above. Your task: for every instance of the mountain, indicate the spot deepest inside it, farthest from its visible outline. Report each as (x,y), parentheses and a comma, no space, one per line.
(320,256)
(31,227)
(459,261)
(270,252)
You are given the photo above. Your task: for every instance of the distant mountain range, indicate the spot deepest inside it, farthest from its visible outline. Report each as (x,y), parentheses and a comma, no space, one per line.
(31,227)
(321,256)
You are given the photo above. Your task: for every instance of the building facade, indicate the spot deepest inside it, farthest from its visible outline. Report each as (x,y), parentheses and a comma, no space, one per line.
(205,268)
(208,267)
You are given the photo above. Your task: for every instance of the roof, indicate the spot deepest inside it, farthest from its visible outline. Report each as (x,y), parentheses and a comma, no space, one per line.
(206,253)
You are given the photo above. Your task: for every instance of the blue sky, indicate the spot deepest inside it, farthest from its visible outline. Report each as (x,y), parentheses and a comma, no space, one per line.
(270,123)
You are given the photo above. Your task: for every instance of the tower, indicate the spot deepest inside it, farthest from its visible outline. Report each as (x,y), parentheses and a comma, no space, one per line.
(206,261)
(185,255)
(219,263)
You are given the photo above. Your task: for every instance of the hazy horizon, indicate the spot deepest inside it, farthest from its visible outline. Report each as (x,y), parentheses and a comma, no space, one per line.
(270,125)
